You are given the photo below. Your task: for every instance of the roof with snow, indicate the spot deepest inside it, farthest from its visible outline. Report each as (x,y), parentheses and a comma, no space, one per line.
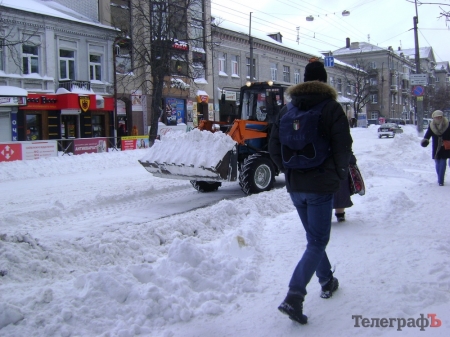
(51,8)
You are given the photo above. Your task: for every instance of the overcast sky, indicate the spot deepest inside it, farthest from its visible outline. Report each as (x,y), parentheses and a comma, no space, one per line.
(380,22)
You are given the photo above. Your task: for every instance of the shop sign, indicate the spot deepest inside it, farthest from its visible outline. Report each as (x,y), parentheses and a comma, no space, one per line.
(84,102)
(202,98)
(180,46)
(10,152)
(134,142)
(28,150)
(90,145)
(17,100)
(230,96)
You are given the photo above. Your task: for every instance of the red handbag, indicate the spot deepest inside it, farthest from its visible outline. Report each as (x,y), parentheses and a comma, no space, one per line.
(446,144)
(356,180)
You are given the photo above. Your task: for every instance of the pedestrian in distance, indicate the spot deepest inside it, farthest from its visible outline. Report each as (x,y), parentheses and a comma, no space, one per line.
(342,198)
(439,131)
(312,190)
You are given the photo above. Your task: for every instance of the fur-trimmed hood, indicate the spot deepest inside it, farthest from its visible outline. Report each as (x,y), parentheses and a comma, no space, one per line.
(307,94)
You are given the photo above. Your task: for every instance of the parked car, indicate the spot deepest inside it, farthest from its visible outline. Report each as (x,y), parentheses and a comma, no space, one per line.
(426,123)
(389,130)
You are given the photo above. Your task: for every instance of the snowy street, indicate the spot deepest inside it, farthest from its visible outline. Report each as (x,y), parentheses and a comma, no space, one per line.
(94,245)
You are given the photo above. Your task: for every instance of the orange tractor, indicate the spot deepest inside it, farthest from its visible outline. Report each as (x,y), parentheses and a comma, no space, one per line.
(248,121)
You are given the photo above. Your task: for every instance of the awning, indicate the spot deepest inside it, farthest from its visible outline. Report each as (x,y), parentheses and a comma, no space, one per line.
(6,90)
(202,96)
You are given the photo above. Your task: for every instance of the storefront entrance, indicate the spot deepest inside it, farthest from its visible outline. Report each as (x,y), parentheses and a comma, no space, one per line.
(69,126)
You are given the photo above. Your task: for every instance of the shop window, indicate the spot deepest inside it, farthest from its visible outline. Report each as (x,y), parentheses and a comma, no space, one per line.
(95,67)
(33,127)
(98,123)
(30,59)
(66,64)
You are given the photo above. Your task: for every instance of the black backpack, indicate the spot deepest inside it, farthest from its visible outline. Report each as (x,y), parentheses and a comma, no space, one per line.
(302,145)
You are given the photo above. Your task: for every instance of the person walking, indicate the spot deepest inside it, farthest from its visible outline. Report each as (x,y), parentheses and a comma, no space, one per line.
(342,198)
(439,131)
(312,190)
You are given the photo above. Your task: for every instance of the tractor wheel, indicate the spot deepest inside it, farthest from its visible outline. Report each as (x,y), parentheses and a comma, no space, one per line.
(205,186)
(257,174)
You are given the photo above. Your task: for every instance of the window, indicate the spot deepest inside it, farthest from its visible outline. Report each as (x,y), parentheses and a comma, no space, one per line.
(373,81)
(349,87)
(123,57)
(66,64)
(95,67)
(339,85)
(374,98)
(286,74)
(374,115)
(30,59)
(297,76)
(235,65)
(273,71)
(332,81)
(223,63)
(372,65)
(1,54)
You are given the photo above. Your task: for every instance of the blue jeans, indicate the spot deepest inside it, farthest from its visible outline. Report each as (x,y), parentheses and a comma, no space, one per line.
(441,165)
(315,211)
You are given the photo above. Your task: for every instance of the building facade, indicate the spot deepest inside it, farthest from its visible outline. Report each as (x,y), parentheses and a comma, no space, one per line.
(389,79)
(187,86)
(273,60)
(63,60)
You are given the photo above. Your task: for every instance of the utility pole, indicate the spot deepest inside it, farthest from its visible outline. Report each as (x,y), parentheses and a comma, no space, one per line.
(250,39)
(419,99)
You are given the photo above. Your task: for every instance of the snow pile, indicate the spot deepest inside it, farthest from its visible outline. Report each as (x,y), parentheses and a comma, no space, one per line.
(93,245)
(196,148)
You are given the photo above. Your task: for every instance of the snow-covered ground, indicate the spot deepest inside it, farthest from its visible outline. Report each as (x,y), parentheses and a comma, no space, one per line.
(94,245)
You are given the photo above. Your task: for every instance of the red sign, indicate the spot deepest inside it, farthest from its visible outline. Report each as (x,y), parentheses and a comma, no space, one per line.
(10,152)
(92,145)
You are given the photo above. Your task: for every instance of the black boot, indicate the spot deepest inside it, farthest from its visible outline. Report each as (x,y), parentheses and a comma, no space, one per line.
(340,216)
(293,307)
(331,286)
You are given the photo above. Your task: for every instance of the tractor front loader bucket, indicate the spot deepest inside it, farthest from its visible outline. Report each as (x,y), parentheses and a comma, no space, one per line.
(195,155)
(225,170)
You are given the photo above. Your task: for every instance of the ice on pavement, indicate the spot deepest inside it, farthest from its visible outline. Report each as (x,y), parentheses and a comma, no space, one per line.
(196,147)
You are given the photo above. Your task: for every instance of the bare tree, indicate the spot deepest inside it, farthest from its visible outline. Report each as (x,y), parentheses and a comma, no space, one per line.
(441,98)
(358,76)
(160,35)
(12,39)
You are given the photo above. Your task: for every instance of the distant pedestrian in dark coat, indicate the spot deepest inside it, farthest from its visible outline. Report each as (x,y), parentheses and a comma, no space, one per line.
(438,131)
(342,198)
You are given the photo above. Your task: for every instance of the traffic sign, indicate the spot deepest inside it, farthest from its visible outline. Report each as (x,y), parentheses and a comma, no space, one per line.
(418,79)
(418,90)
(329,61)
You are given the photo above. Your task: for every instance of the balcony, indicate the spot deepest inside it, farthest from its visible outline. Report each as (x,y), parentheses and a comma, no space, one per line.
(73,84)
(373,87)
(394,89)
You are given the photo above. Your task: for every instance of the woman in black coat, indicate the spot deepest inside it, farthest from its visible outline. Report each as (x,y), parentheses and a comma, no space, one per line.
(342,198)
(438,131)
